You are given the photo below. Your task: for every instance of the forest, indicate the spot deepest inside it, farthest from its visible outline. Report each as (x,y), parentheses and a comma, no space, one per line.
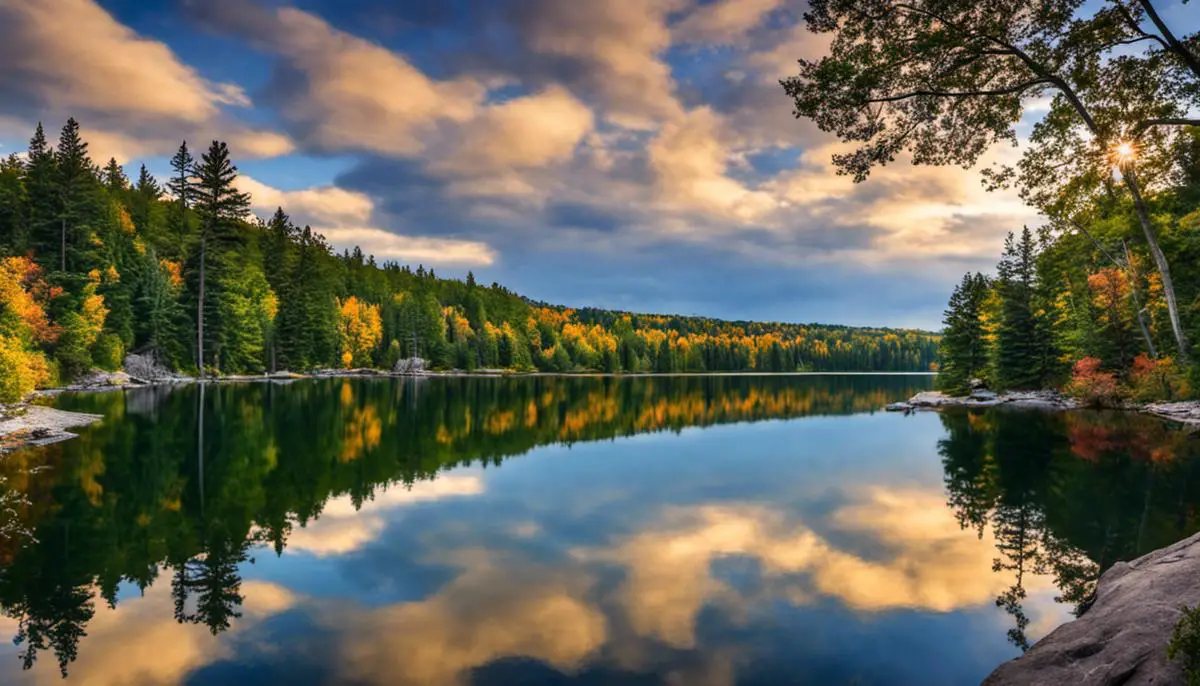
(1099,101)
(94,266)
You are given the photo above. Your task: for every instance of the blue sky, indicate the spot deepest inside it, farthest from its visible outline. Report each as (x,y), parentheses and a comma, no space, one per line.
(637,154)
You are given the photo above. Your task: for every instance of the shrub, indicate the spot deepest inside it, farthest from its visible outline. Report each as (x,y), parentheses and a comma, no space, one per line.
(1093,386)
(1185,644)
(21,370)
(108,352)
(1161,379)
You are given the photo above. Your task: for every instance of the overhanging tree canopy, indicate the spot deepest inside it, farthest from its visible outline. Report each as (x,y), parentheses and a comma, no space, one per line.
(944,80)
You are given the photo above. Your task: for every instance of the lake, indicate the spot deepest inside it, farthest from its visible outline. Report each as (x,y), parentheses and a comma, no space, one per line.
(581,530)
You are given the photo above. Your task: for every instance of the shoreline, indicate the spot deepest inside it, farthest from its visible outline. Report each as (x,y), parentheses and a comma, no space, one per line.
(27,423)
(1184,412)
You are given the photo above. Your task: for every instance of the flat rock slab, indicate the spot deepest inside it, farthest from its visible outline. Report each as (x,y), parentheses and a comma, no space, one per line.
(984,398)
(1122,638)
(38,425)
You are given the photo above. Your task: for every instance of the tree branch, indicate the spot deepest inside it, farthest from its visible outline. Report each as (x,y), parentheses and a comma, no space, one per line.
(1020,87)
(1172,43)
(1142,126)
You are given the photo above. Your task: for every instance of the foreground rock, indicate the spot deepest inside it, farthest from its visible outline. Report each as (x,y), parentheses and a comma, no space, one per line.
(22,425)
(984,398)
(1122,639)
(1186,412)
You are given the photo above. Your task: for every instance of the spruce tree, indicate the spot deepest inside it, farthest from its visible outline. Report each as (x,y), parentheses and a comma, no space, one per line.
(220,207)
(143,203)
(182,186)
(14,206)
(77,186)
(1020,359)
(41,190)
(963,350)
(114,178)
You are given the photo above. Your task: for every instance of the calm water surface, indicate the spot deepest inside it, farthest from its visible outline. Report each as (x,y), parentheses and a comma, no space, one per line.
(734,530)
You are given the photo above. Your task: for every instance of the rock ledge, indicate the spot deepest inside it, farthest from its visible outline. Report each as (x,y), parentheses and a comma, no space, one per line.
(1051,400)
(1122,638)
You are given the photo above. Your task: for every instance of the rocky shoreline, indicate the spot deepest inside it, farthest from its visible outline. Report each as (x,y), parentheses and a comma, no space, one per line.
(1186,412)
(1122,638)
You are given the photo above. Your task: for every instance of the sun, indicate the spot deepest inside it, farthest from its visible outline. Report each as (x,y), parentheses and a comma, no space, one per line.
(1124,152)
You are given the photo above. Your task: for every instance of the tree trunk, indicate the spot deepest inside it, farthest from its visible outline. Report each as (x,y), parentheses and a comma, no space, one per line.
(1160,260)
(1135,285)
(62,257)
(200,313)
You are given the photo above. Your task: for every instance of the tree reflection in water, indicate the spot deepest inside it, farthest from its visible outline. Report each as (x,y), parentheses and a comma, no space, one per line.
(1067,494)
(149,491)
(161,484)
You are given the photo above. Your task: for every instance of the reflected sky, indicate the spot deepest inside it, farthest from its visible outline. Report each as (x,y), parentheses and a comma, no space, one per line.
(799,549)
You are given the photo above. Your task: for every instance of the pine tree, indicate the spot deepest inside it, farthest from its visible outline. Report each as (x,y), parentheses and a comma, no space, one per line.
(220,207)
(77,185)
(114,178)
(144,204)
(14,206)
(1019,345)
(278,239)
(41,190)
(182,186)
(963,351)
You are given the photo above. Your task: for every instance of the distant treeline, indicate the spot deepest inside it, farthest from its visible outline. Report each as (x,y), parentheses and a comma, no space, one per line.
(94,266)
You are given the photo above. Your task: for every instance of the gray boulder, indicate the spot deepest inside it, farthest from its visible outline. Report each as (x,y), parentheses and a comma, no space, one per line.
(146,369)
(410,365)
(1123,636)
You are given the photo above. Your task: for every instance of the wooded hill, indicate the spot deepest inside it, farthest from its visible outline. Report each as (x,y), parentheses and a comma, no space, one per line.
(95,266)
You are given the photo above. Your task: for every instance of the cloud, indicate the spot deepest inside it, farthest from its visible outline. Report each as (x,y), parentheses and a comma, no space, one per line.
(689,160)
(495,608)
(344,92)
(533,131)
(929,562)
(723,21)
(141,643)
(344,217)
(132,93)
(614,46)
(341,528)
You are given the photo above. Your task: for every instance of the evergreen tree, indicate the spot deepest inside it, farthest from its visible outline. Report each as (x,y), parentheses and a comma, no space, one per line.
(114,177)
(77,186)
(143,205)
(41,190)
(220,208)
(1019,344)
(14,206)
(182,186)
(963,353)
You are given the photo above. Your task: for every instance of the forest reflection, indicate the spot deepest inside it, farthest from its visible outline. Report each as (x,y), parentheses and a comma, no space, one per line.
(161,487)
(1068,494)
(163,494)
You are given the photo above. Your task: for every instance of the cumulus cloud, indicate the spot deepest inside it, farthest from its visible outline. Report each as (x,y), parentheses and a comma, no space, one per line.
(140,642)
(930,563)
(341,528)
(134,95)
(723,21)
(344,92)
(495,608)
(617,45)
(533,131)
(344,217)
(689,160)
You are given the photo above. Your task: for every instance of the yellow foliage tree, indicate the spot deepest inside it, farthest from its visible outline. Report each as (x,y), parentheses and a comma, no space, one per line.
(360,328)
